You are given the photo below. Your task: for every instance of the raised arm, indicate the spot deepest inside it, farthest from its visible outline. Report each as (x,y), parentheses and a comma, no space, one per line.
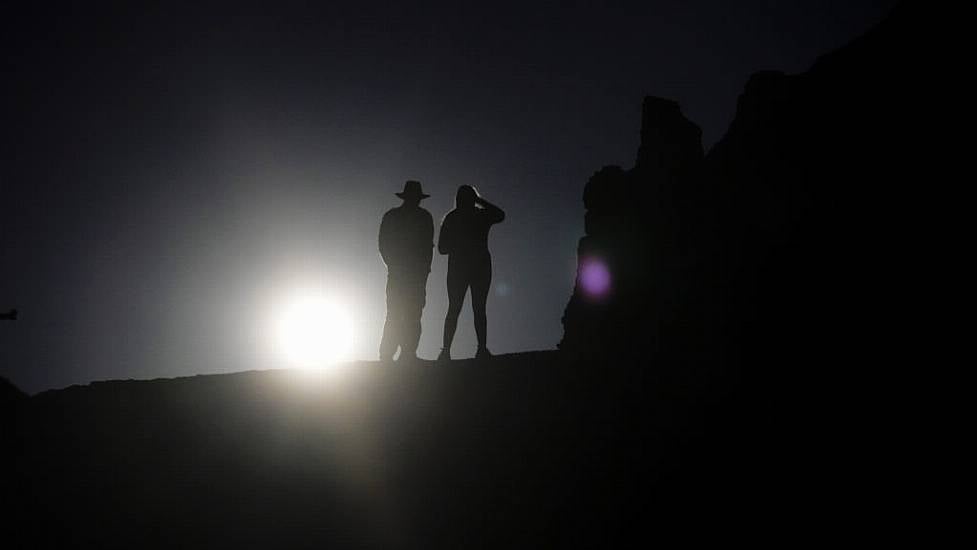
(495,213)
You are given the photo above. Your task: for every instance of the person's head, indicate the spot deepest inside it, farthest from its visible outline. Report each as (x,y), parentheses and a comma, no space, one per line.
(465,198)
(412,194)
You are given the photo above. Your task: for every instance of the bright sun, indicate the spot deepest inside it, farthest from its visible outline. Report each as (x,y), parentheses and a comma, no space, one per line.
(314,331)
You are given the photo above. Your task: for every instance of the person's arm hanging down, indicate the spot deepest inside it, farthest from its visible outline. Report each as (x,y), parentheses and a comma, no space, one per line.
(384,240)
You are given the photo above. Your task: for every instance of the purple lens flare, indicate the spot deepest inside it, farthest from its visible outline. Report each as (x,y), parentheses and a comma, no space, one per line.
(594,278)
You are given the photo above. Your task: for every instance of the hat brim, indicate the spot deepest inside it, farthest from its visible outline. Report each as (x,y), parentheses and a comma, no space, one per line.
(412,195)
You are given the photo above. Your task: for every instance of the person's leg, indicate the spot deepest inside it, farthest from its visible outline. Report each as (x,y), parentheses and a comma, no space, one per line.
(457,285)
(391,325)
(481,282)
(414,307)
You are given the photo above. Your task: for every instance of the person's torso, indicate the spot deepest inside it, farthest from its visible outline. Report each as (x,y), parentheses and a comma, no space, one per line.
(469,232)
(409,238)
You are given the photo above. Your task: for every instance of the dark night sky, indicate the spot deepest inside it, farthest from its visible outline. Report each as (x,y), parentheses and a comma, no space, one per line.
(170,176)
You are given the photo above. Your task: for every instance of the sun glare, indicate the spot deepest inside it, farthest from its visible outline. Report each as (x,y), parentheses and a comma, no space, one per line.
(314,331)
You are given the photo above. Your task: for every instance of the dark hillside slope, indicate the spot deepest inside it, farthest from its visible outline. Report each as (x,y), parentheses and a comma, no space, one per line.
(523,449)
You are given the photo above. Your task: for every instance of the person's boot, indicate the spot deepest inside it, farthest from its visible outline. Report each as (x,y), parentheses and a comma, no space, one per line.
(483,353)
(444,356)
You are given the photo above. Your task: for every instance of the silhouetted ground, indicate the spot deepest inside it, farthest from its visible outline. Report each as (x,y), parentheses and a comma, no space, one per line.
(521,450)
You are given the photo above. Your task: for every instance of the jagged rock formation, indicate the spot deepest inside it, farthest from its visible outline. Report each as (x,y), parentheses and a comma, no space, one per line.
(787,238)
(628,220)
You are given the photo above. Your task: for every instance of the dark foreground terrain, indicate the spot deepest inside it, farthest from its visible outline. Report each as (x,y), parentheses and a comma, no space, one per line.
(521,450)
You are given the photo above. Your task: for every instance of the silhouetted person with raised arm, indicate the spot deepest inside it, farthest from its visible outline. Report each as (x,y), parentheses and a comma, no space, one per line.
(406,246)
(464,238)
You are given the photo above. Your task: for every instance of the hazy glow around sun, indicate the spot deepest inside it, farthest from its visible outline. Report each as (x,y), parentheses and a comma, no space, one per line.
(313,330)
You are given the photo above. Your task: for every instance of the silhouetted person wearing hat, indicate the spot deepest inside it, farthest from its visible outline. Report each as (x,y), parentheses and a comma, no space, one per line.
(406,246)
(464,238)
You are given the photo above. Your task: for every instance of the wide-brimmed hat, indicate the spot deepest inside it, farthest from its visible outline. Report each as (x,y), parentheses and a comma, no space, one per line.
(412,190)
